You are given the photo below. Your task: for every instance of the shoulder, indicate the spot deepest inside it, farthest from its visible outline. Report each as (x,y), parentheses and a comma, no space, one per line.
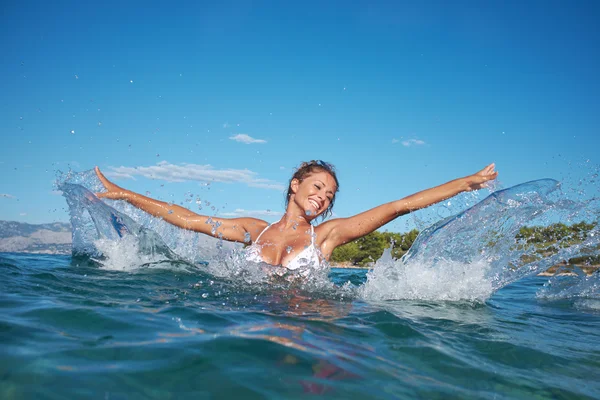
(253,226)
(327,236)
(327,230)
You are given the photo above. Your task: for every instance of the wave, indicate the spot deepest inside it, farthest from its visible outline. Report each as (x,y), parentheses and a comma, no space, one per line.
(472,254)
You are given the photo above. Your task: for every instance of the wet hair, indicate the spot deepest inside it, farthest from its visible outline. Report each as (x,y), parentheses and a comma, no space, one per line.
(308,168)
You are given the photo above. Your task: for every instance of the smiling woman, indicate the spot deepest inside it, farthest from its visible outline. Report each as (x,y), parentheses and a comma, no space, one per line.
(293,241)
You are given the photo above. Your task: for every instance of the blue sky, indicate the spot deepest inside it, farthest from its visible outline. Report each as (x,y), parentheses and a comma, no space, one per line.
(222,101)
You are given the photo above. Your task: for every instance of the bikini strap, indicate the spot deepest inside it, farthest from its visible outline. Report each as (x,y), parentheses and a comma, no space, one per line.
(264,230)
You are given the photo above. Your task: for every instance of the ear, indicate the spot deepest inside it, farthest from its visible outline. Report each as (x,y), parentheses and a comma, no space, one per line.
(294,185)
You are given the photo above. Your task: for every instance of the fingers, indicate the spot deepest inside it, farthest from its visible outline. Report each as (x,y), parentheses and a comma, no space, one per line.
(489,177)
(488,171)
(99,174)
(105,182)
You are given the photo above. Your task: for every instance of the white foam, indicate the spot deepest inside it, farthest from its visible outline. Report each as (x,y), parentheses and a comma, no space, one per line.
(124,254)
(416,279)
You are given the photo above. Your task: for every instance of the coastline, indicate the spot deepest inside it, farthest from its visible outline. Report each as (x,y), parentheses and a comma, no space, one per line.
(562,269)
(559,269)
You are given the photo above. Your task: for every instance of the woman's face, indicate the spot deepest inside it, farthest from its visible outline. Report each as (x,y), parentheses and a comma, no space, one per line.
(314,194)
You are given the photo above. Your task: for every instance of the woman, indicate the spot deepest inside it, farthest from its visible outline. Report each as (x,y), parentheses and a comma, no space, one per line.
(293,241)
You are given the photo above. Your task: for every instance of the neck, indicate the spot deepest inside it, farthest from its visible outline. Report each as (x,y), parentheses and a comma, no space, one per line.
(294,217)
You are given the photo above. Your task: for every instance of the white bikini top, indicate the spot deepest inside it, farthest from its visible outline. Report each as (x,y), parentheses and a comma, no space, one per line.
(308,256)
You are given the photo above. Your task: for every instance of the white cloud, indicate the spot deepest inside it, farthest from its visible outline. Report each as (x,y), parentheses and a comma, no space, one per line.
(193,172)
(238,212)
(395,140)
(413,142)
(7,196)
(243,138)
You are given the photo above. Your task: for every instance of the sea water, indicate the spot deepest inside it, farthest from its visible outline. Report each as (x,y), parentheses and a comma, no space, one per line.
(144,310)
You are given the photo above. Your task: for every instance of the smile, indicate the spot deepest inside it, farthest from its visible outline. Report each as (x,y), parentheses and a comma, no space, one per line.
(314,204)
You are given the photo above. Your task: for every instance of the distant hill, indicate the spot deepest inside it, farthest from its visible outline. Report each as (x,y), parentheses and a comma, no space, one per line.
(19,237)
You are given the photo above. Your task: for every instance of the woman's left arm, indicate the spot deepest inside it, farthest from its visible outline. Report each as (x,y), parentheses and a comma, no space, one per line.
(343,230)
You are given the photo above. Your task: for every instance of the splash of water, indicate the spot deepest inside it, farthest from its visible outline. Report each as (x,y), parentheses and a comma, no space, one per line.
(121,237)
(478,251)
(467,256)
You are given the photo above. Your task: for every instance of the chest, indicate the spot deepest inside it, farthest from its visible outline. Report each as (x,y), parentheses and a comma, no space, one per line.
(280,247)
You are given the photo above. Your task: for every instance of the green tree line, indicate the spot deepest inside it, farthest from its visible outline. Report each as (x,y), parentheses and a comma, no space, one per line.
(549,239)
(554,233)
(369,248)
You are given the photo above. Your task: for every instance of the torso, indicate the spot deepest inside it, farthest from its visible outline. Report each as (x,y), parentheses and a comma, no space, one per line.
(291,250)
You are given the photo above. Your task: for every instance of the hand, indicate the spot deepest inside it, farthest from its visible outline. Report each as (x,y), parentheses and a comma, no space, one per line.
(480,179)
(112,191)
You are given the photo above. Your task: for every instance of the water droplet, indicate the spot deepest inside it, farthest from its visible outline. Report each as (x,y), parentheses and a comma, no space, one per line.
(204,295)
(99,123)
(288,249)
(131,81)
(170,211)
(72,132)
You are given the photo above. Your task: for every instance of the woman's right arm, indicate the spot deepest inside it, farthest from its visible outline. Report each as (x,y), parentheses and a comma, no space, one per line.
(244,230)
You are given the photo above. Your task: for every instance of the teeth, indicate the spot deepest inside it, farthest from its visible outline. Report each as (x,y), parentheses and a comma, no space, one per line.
(314,203)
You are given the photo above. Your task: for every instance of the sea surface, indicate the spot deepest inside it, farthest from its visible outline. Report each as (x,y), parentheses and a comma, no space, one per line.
(143,310)
(73,330)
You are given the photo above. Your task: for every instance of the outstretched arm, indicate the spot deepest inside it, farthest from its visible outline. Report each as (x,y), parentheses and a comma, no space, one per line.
(342,230)
(234,230)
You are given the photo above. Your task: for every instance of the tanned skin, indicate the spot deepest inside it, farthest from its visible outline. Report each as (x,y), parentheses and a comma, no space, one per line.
(310,198)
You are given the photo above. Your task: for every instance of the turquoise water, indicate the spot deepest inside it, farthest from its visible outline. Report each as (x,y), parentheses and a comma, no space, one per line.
(144,310)
(71,330)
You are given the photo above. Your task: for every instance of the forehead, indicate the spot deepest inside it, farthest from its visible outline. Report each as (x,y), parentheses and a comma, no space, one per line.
(324,177)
